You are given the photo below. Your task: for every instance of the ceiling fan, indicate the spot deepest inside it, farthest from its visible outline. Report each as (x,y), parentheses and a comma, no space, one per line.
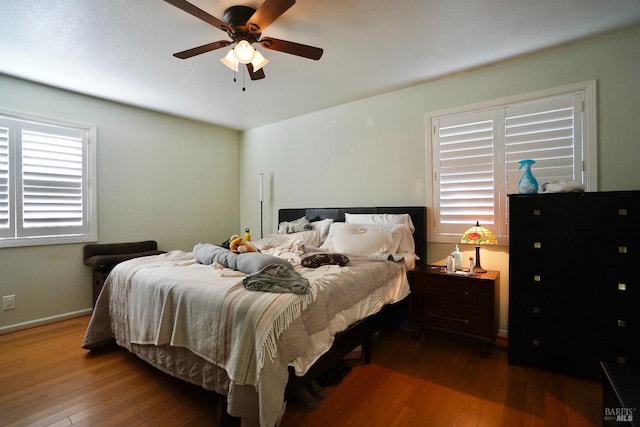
(245,25)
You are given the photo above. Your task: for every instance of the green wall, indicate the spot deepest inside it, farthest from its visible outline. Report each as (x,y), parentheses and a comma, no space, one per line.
(373,151)
(160,177)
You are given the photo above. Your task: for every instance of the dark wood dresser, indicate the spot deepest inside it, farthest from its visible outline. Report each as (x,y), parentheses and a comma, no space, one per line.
(455,305)
(574,280)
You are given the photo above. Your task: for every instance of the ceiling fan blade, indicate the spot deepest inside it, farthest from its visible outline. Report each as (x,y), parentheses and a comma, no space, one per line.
(202,49)
(292,48)
(255,75)
(199,13)
(267,13)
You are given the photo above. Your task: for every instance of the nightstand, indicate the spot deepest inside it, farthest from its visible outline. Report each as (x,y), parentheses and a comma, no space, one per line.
(454,304)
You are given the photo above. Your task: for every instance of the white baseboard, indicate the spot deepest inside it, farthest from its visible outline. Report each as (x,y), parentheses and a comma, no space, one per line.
(44,321)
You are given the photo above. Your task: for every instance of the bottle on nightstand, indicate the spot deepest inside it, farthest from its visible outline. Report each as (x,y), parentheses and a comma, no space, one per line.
(457,257)
(451,268)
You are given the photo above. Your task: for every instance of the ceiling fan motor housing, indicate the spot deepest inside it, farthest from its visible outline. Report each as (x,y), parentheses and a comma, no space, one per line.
(237,17)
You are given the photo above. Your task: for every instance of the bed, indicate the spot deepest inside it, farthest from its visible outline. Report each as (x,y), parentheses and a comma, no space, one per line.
(196,321)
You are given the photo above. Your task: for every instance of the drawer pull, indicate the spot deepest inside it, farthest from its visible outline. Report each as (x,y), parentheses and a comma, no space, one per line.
(621,360)
(455,319)
(622,287)
(537,212)
(622,323)
(536,310)
(537,245)
(537,278)
(622,212)
(535,343)
(449,291)
(622,249)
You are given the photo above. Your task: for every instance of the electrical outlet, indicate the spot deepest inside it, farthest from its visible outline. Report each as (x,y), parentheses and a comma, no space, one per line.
(9,302)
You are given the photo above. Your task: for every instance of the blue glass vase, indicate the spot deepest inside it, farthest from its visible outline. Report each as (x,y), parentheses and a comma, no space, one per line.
(528,183)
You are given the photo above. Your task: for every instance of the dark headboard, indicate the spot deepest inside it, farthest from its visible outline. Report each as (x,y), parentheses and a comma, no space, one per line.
(418,216)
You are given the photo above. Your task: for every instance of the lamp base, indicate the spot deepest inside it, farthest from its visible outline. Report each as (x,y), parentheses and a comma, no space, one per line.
(478,268)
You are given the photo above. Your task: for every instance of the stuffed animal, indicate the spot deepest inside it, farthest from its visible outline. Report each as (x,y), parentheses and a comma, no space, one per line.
(238,245)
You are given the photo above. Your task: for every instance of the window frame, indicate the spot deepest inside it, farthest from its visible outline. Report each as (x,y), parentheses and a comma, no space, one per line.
(587,90)
(18,237)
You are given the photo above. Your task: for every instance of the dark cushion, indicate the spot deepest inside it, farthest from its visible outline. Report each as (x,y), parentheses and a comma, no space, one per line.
(102,261)
(317,260)
(107,255)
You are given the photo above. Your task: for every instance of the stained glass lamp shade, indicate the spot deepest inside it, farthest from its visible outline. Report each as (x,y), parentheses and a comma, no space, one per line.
(478,235)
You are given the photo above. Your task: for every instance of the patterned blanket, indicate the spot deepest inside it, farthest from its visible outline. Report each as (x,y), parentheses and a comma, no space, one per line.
(172,300)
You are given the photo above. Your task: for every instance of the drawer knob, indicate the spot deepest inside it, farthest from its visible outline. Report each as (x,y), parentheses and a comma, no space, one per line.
(622,287)
(621,360)
(622,323)
(622,212)
(537,245)
(535,343)
(536,310)
(622,249)
(537,212)
(537,278)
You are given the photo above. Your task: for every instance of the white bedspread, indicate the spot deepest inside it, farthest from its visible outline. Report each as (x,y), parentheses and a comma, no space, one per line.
(172,300)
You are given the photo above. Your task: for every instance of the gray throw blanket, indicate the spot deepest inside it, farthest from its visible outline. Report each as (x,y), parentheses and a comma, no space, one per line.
(276,278)
(250,262)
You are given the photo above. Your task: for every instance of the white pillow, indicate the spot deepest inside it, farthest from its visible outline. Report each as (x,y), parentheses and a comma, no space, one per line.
(401,238)
(380,219)
(352,240)
(322,227)
(311,237)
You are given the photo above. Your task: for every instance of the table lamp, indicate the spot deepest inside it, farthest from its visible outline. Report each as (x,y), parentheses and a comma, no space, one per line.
(478,235)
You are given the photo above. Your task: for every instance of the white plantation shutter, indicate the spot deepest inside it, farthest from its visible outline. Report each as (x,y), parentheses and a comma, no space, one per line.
(47,181)
(545,131)
(464,171)
(52,180)
(5,215)
(476,153)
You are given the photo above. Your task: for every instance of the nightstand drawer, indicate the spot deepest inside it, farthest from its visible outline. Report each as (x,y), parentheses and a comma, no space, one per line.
(455,290)
(453,317)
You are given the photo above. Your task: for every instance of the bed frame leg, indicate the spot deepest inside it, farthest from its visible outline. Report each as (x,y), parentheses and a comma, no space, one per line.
(224,419)
(366,350)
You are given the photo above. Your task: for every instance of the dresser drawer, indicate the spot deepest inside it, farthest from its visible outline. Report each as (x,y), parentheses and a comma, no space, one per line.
(620,249)
(453,317)
(621,287)
(620,212)
(550,211)
(544,346)
(570,281)
(552,247)
(622,349)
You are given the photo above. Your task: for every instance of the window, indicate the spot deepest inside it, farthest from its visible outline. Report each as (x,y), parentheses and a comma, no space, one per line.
(476,152)
(47,181)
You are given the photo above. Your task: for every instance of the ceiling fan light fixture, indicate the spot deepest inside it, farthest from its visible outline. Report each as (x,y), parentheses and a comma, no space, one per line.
(230,61)
(244,52)
(258,61)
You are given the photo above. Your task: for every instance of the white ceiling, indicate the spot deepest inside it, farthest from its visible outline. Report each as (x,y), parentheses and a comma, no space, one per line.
(122,49)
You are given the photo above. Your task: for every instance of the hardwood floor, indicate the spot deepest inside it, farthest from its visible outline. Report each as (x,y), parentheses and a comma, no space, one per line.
(46,379)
